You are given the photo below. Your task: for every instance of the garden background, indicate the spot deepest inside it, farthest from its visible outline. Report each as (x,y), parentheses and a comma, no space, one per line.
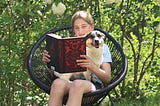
(135,24)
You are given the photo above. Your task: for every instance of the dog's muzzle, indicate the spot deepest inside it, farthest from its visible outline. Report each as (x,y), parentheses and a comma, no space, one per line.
(96,43)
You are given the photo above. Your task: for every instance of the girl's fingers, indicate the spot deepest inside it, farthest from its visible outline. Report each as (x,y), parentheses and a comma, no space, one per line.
(45,54)
(45,57)
(84,56)
(82,61)
(83,64)
(46,60)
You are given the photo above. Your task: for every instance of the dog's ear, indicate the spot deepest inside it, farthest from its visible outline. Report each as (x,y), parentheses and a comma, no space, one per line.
(104,36)
(88,35)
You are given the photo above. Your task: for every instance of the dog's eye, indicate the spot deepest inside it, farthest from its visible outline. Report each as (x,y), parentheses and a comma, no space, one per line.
(92,36)
(99,35)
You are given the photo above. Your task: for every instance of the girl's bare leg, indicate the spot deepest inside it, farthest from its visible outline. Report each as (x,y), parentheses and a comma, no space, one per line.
(58,89)
(76,91)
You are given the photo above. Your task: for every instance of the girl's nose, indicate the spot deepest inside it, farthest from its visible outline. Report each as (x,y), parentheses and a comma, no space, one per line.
(81,32)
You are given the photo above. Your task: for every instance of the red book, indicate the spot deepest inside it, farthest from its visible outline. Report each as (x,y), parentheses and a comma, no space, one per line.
(64,52)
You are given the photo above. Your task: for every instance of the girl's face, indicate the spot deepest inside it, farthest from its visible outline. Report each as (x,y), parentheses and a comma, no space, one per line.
(82,28)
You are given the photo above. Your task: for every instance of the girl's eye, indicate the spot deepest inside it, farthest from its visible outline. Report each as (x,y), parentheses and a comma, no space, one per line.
(83,26)
(76,28)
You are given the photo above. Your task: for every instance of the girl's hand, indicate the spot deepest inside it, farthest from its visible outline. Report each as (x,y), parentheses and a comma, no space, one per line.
(46,57)
(86,62)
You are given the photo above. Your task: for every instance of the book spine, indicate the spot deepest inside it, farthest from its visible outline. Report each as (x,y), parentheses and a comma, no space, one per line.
(60,52)
(52,48)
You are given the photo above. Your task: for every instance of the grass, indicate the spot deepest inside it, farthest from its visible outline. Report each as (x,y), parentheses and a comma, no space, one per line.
(152,100)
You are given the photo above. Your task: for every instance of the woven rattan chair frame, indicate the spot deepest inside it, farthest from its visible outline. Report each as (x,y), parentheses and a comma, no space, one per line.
(41,76)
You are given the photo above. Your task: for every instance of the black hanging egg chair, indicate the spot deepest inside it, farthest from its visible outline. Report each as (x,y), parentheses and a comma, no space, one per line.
(41,76)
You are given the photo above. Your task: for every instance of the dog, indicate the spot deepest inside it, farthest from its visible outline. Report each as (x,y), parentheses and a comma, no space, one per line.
(94,49)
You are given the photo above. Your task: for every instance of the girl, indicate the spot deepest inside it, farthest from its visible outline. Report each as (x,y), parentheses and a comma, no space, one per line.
(83,24)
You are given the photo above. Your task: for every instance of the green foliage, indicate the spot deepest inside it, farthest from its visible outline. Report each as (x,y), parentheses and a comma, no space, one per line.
(151,100)
(133,23)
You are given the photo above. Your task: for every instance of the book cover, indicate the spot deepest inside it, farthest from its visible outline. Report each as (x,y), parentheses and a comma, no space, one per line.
(64,52)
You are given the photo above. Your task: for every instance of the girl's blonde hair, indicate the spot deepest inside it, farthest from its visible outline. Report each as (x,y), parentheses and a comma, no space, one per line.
(82,15)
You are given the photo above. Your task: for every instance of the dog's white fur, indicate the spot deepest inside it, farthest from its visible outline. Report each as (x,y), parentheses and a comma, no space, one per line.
(94,50)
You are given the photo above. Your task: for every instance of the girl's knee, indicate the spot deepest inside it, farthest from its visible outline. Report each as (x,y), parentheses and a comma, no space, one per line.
(59,87)
(58,83)
(77,85)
